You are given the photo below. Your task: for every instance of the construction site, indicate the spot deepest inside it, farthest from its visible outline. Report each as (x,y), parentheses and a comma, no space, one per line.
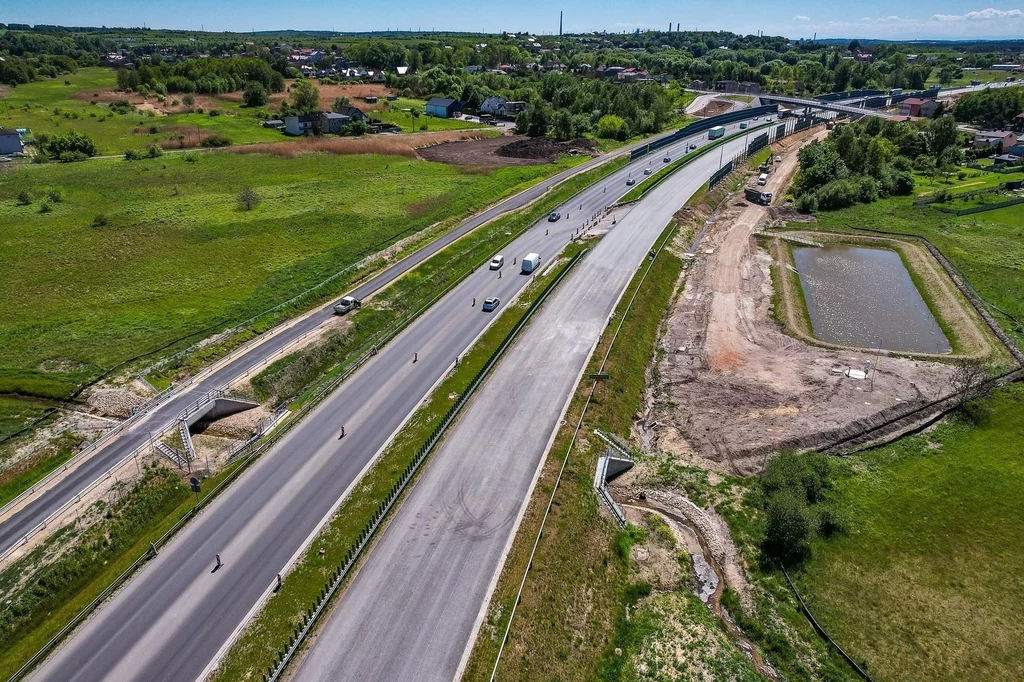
(740,371)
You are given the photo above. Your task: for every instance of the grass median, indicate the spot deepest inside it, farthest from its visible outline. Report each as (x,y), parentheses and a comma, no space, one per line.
(258,646)
(441,271)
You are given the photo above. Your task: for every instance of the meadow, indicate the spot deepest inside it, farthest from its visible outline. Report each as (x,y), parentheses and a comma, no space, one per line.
(136,255)
(925,584)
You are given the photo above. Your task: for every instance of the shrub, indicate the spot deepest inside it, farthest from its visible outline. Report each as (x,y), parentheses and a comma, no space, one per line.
(248,199)
(99,221)
(190,157)
(155,151)
(188,100)
(46,206)
(24,198)
(787,527)
(134,155)
(213,112)
(216,141)
(78,143)
(122,106)
(54,195)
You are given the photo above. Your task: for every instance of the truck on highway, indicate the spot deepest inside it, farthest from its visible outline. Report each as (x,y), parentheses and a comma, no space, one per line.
(716,132)
(347,304)
(756,196)
(531,262)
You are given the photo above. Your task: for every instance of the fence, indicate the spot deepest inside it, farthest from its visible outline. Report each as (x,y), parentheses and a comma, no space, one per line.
(312,615)
(757,144)
(702,125)
(720,175)
(979,209)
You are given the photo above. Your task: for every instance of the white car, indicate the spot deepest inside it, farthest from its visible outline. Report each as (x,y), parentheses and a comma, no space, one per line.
(648,170)
(497,262)
(778,159)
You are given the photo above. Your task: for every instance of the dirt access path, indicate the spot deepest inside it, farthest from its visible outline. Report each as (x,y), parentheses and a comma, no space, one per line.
(733,387)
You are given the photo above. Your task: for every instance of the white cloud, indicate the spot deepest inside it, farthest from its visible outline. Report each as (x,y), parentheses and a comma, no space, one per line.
(801,17)
(988,14)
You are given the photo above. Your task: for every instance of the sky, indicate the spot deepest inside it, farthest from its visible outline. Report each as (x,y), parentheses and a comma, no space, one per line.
(903,20)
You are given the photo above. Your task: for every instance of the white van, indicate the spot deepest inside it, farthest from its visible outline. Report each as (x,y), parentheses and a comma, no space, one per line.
(497,262)
(762,179)
(531,262)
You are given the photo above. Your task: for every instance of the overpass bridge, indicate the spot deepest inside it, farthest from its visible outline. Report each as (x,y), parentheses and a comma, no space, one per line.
(837,107)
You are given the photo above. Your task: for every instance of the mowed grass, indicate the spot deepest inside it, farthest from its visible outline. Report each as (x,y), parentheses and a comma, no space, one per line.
(987,247)
(48,106)
(178,256)
(397,113)
(926,584)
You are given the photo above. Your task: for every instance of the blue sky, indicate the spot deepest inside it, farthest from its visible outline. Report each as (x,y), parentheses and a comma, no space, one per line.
(904,20)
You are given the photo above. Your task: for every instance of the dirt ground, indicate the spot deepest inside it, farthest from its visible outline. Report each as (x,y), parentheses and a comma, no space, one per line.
(732,386)
(715,107)
(512,150)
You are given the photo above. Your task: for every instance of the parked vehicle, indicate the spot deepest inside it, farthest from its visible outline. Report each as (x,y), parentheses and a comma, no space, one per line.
(491,304)
(554,217)
(531,262)
(347,304)
(497,262)
(778,159)
(716,132)
(762,179)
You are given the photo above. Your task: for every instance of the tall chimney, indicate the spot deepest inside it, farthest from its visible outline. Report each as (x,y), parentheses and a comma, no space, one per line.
(677,27)
(559,22)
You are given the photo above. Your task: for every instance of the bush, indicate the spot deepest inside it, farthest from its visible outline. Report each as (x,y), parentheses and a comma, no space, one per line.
(46,206)
(188,100)
(122,106)
(248,199)
(134,155)
(77,146)
(24,198)
(213,112)
(155,151)
(54,195)
(99,221)
(190,157)
(216,141)
(787,527)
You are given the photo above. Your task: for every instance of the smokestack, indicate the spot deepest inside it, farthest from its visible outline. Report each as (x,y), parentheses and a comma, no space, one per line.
(670,27)
(677,27)
(559,22)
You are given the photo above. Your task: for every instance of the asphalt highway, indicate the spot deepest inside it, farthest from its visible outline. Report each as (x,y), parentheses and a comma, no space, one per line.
(21,520)
(176,615)
(412,609)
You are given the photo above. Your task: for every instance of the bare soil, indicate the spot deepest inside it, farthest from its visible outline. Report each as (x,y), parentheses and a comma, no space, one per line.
(515,150)
(732,386)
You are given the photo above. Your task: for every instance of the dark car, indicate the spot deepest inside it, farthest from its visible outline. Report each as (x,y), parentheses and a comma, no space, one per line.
(667,159)
(490,304)
(630,181)
(554,217)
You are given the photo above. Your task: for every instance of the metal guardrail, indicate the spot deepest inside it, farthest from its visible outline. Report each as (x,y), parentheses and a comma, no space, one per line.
(311,616)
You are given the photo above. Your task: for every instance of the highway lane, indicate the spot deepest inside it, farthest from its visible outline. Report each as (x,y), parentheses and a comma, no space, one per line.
(21,521)
(412,609)
(173,618)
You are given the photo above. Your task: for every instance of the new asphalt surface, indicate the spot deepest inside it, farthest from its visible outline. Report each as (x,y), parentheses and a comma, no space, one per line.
(412,609)
(22,520)
(176,615)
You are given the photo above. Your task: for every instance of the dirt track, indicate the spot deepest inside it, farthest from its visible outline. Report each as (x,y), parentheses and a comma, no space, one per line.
(733,386)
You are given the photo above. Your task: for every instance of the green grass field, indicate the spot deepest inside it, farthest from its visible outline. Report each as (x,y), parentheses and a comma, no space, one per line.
(926,583)
(47,106)
(983,75)
(177,255)
(398,114)
(988,247)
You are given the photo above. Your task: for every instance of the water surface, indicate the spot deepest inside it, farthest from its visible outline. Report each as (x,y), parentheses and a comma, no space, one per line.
(864,297)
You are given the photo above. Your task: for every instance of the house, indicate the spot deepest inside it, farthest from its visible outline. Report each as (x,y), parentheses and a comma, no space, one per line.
(1005,160)
(442,107)
(301,125)
(494,106)
(370,99)
(513,108)
(333,123)
(995,138)
(918,107)
(1018,123)
(1005,67)
(353,113)
(472,68)
(10,141)
(1017,149)
(402,70)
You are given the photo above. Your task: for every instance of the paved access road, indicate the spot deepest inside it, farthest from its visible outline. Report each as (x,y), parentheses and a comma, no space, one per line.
(30,515)
(412,609)
(175,616)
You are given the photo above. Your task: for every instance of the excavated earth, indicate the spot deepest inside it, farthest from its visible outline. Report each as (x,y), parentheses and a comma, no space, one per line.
(732,386)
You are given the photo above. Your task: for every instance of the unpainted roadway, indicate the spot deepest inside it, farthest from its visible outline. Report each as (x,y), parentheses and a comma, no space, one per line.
(412,609)
(22,520)
(175,616)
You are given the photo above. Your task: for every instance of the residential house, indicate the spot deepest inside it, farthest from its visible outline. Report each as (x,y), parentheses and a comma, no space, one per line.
(402,70)
(301,125)
(611,72)
(1016,150)
(513,108)
(352,112)
(918,107)
(995,138)
(1005,160)
(1018,123)
(10,141)
(333,123)
(472,68)
(494,106)
(443,107)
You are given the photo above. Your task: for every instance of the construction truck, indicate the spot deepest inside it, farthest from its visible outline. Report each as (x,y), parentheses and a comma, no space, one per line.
(756,196)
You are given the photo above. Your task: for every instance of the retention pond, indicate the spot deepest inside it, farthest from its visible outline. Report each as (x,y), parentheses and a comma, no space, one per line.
(864,297)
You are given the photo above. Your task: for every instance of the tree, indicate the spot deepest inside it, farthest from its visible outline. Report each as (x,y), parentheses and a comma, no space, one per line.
(942,135)
(968,376)
(255,94)
(71,146)
(338,103)
(787,527)
(248,199)
(305,97)
(611,127)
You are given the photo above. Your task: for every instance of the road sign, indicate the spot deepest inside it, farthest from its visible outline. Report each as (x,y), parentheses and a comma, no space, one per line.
(195,484)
